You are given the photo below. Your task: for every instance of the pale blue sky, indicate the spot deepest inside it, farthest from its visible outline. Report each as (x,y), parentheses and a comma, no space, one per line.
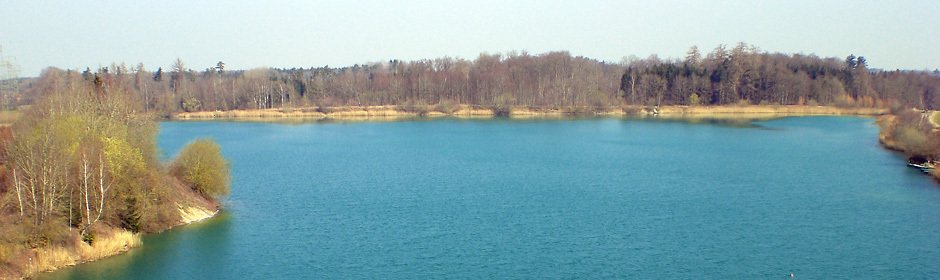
(248,34)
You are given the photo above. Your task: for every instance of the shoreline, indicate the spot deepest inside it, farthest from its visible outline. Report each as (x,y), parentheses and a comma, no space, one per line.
(367,113)
(888,123)
(120,241)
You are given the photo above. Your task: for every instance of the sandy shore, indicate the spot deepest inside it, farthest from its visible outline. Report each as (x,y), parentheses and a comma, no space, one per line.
(192,214)
(792,110)
(393,112)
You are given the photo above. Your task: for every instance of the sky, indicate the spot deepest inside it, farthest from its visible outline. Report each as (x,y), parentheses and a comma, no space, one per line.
(76,34)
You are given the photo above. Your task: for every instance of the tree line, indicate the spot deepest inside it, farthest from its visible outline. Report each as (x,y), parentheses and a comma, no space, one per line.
(739,75)
(746,75)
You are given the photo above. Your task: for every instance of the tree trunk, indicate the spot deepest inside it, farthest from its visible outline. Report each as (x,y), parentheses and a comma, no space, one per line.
(16,185)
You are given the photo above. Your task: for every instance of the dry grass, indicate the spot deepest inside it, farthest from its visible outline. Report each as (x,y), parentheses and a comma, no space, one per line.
(8,117)
(471,111)
(395,112)
(333,112)
(108,243)
(769,110)
(935,119)
(887,125)
(46,259)
(119,241)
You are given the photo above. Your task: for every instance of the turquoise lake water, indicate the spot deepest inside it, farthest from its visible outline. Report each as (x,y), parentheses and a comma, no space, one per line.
(546,199)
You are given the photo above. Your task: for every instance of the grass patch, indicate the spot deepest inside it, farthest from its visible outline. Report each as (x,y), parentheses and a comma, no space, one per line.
(8,117)
(109,244)
(936,118)
(49,258)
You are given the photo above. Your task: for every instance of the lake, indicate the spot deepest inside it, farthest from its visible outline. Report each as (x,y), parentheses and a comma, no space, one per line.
(578,198)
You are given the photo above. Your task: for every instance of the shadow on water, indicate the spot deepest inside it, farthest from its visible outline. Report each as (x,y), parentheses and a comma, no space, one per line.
(739,122)
(178,248)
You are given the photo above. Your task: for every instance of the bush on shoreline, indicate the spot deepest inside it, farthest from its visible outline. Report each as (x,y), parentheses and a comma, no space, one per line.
(200,165)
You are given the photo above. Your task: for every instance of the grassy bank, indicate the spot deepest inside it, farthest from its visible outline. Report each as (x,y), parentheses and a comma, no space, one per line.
(935,119)
(467,111)
(110,242)
(8,117)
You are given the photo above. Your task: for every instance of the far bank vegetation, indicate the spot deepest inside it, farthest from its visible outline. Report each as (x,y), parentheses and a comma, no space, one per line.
(503,84)
(739,75)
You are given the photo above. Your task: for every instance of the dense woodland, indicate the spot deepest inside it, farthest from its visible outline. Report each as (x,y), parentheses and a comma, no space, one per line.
(739,75)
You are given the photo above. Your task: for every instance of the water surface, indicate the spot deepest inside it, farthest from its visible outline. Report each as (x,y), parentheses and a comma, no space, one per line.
(589,198)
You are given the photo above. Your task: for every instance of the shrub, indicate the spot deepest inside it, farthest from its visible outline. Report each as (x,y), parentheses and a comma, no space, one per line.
(191,104)
(200,165)
(768,103)
(632,110)
(598,100)
(89,238)
(502,110)
(420,108)
(502,107)
(912,140)
(580,110)
(326,105)
(447,107)
(129,216)
(694,99)
(845,101)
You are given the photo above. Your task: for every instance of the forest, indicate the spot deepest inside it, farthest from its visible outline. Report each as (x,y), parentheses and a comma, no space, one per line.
(724,76)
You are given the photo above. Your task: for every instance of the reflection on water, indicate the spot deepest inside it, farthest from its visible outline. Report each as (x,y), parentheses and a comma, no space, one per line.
(726,122)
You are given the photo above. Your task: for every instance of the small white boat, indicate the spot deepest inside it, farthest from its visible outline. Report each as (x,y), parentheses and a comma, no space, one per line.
(920,163)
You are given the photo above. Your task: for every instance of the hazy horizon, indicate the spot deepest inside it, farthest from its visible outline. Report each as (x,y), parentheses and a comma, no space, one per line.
(286,34)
